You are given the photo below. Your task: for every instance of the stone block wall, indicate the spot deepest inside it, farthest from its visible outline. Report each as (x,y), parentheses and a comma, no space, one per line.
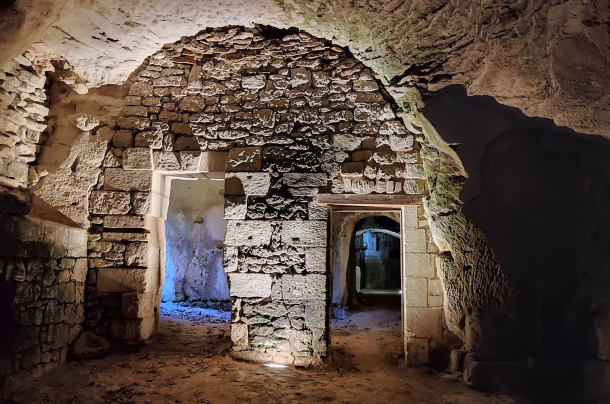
(292,117)
(23,120)
(43,268)
(424,328)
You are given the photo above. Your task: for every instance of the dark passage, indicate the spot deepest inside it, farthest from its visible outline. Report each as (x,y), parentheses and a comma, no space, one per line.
(540,193)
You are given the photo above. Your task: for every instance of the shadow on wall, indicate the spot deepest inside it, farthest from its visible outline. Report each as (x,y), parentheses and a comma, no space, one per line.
(195,231)
(540,193)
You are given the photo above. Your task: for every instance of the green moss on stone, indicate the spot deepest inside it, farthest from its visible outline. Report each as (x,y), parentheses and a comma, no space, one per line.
(58,251)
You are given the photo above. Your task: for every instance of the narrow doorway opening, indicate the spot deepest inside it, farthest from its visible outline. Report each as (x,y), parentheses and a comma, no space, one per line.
(367,320)
(195,289)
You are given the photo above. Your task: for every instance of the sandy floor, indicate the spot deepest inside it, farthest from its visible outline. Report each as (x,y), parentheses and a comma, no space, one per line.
(187,362)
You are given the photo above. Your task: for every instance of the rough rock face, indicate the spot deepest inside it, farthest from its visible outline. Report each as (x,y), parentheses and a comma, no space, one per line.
(291,116)
(546,58)
(537,192)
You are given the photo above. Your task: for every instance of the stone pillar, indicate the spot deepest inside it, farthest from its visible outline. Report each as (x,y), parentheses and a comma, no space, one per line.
(277,273)
(421,289)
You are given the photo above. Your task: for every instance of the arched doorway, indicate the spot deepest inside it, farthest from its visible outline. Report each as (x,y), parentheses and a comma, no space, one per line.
(377,256)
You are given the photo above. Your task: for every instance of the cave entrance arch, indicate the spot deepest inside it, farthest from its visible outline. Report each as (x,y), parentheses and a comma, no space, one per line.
(420,290)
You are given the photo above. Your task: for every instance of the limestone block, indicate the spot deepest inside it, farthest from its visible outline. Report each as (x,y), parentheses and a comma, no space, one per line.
(400,143)
(315,260)
(124,222)
(235,207)
(417,351)
(141,89)
(66,292)
(300,77)
(117,179)
(138,110)
(346,142)
(365,86)
(229,259)
(109,202)
(317,211)
(166,161)
(250,285)
(189,160)
(362,187)
(435,287)
(339,116)
(315,314)
(418,264)
(299,287)
(311,233)
(249,233)
(305,179)
(213,161)
(415,292)
(133,123)
(263,118)
(415,171)
(423,322)
(137,305)
(414,240)
(179,128)
(435,301)
(79,274)
(239,335)
(247,183)
(244,159)
(253,82)
(123,139)
(352,169)
(137,159)
(170,81)
(121,280)
(320,78)
(141,203)
(110,236)
(192,104)
(410,217)
(136,254)
(151,139)
(195,78)
(384,113)
(392,128)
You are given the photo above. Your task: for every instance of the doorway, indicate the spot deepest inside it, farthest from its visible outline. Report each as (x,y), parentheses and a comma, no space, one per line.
(195,286)
(365,259)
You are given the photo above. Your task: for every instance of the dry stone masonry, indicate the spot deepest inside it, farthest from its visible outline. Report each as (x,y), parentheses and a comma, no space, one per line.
(43,268)
(291,117)
(23,119)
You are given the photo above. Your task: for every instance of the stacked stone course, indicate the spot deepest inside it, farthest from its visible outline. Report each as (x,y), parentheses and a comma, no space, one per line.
(43,268)
(291,117)
(23,120)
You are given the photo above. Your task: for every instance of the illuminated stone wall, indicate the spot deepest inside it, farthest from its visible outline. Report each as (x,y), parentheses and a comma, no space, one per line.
(290,116)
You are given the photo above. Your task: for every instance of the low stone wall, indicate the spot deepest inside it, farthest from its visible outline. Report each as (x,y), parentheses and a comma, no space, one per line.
(43,268)
(23,120)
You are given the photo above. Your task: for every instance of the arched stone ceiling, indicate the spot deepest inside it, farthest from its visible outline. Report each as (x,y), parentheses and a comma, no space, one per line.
(546,57)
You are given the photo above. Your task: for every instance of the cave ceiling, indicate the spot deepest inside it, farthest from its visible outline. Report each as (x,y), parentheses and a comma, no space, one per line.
(547,58)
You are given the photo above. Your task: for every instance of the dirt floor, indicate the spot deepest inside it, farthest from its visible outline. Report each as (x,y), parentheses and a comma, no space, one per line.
(187,362)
